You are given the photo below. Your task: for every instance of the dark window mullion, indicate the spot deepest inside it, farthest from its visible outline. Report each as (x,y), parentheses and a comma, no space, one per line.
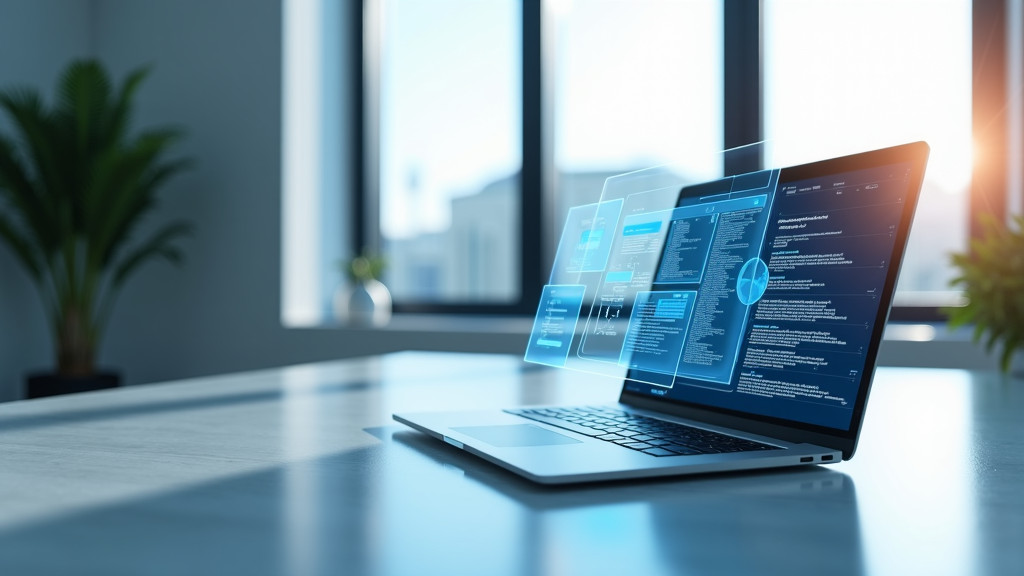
(532,177)
(743,87)
(360,236)
(989,106)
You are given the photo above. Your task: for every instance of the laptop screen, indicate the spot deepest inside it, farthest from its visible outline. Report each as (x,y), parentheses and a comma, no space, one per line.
(766,295)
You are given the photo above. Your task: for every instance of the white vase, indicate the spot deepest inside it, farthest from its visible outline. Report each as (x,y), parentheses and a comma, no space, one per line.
(366,303)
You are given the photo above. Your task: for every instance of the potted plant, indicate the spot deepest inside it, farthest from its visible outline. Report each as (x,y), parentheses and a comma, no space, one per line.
(74,186)
(365,301)
(991,273)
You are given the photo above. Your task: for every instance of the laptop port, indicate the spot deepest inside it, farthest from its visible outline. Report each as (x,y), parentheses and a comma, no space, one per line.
(826,458)
(807,458)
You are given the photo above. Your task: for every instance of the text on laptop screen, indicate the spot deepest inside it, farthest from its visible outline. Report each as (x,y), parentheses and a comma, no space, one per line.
(756,293)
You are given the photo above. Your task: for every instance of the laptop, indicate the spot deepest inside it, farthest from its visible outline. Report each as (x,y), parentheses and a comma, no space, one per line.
(743,316)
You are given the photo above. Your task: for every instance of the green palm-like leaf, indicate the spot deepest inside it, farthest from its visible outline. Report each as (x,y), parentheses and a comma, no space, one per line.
(145,200)
(121,111)
(160,244)
(17,188)
(39,181)
(22,248)
(85,100)
(129,190)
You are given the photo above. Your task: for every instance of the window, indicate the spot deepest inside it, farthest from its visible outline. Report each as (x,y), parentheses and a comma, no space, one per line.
(450,149)
(482,122)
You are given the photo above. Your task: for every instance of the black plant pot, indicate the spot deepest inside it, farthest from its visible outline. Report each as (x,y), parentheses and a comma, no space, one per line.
(49,384)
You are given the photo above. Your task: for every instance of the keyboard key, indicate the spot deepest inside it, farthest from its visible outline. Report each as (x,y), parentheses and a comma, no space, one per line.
(638,445)
(659,452)
(682,450)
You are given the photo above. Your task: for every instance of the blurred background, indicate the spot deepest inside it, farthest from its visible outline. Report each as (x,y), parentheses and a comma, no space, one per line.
(451,137)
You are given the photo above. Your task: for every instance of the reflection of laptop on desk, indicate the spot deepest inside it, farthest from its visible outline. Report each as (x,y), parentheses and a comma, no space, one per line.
(749,331)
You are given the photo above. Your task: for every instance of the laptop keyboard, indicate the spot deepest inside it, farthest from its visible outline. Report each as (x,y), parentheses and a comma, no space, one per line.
(640,433)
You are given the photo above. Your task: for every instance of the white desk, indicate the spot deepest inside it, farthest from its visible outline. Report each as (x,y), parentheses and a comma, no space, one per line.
(302,471)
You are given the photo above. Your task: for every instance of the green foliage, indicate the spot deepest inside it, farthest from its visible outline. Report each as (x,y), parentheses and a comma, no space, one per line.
(992,277)
(365,266)
(74,186)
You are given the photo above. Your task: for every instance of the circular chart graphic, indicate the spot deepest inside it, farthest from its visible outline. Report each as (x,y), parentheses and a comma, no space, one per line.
(752,281)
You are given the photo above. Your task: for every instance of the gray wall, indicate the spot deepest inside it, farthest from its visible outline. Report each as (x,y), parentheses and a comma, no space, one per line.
(216,72)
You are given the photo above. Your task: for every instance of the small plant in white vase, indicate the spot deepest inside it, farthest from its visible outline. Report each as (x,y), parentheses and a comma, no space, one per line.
(365,301)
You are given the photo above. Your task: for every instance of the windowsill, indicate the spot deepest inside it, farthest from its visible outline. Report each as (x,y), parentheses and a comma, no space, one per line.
(436,323)
(922,332)
(904,344)
(933,346)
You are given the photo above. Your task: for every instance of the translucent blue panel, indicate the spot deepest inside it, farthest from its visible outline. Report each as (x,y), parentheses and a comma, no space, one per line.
(555,324)
(657,331)
(586,240)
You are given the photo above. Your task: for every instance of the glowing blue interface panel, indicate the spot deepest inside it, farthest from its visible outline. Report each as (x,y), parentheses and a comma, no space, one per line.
(555,324)
(586,240)
(750,293)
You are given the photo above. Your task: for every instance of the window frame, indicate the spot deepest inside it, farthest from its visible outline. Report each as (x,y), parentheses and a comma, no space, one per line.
(742,55)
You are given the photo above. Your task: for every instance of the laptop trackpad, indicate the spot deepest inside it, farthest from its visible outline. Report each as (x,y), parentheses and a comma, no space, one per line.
(513,435)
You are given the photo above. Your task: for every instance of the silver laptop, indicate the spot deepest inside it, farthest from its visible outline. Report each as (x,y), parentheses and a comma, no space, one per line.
(744,314)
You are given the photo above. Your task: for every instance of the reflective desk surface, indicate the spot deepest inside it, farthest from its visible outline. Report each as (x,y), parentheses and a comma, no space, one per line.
(302,471)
